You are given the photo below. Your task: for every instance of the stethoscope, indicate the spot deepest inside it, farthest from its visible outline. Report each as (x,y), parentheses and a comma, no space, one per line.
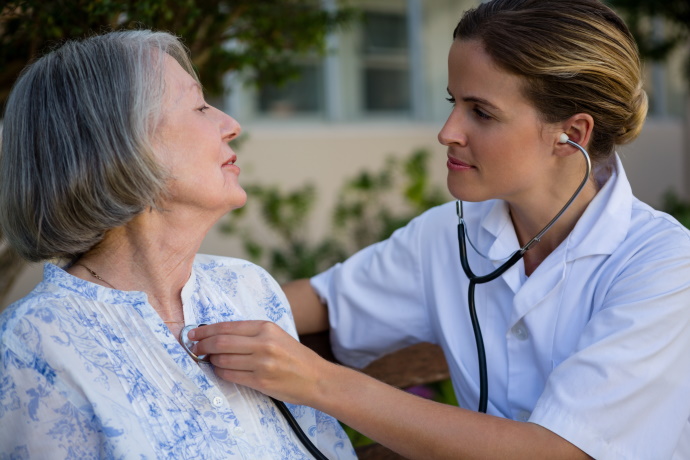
(517,255)
(205,359)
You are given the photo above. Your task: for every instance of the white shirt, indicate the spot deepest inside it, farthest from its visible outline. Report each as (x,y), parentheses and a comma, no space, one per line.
(594,345)
(88,372)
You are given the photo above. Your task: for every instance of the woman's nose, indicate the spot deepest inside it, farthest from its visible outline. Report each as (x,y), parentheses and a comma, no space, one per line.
(452,131)
(230,127)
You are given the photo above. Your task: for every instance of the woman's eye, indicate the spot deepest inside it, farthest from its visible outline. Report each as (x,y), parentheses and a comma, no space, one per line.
(481,114)
(451,99)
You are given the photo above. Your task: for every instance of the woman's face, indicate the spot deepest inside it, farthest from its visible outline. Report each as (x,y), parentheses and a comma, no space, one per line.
(191,141)
(497,145)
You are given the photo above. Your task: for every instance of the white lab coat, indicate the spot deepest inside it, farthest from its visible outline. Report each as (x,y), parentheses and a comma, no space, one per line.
(594,345)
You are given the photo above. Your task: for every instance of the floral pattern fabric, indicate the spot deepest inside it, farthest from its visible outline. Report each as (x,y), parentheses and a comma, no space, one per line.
(89,372)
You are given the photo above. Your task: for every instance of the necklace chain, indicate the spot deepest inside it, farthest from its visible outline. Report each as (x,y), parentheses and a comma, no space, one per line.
(98,277)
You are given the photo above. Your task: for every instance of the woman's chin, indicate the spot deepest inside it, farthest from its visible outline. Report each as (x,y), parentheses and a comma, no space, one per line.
(464,194)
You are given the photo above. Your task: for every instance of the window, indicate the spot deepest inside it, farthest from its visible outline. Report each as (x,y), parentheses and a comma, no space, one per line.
(300,96)
(385,63)
(366,72)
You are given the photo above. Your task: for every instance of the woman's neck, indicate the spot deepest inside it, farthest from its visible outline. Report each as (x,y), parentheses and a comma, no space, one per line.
(530,218)
(149,254)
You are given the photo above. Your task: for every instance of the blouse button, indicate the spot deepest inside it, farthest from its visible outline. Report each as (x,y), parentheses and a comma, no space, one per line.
(217,401)
(520,331)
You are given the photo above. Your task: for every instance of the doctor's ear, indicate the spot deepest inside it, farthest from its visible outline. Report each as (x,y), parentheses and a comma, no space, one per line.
(577,128)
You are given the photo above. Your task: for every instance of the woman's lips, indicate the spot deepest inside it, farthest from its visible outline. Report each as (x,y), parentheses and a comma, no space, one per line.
(456,165)
(230,164)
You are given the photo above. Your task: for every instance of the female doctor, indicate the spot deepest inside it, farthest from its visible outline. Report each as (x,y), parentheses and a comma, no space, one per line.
(586,336)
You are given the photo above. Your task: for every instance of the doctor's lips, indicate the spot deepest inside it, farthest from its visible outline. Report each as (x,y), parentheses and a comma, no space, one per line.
(457,165)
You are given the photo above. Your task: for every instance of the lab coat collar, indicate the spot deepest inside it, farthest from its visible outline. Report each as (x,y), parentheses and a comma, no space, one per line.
(604,224)
(600,230)
(499,241)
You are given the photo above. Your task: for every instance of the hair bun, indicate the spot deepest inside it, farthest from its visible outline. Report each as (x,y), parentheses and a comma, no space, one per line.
(635,121)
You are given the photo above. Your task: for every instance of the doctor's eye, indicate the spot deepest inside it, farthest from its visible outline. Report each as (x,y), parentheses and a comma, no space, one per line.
(203,108)
(481,114)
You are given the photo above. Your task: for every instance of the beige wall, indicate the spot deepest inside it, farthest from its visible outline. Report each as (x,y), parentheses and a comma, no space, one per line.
(290,155)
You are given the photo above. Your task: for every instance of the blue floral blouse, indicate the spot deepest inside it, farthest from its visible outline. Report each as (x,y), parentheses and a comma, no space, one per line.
(89,372)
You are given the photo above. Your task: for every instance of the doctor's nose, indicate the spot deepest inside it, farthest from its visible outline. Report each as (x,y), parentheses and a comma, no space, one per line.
(452,131)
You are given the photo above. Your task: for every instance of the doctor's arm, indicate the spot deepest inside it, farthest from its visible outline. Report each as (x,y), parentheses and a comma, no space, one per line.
(310,314)
(266,358)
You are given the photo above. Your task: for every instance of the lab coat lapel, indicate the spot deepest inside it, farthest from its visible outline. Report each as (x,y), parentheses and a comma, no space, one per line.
(604,224)
(541,285)
(499,241)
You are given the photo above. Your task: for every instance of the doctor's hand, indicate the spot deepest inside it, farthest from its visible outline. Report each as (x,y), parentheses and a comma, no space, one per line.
(262,356)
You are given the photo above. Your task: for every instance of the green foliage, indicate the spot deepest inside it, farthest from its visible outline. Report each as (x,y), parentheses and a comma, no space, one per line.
(370,207)
(677,208)
(285,214)
(676,14)
(223,35)
(638,15)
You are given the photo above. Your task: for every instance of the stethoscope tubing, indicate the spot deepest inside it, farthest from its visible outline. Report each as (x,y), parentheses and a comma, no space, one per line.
(301,435)
(512,260)
(479,340)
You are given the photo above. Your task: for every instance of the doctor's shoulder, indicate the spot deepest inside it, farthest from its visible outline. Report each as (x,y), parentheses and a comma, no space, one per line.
(651,229)
(652,262)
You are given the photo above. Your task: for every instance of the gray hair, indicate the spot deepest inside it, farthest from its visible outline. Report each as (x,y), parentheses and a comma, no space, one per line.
(76,157)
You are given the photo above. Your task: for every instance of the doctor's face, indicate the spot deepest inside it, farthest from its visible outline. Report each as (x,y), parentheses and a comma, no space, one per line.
(497,145)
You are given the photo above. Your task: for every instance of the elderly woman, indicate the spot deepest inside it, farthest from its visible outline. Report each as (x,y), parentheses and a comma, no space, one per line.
(113,164)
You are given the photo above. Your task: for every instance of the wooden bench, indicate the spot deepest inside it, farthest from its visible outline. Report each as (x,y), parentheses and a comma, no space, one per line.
(415,365)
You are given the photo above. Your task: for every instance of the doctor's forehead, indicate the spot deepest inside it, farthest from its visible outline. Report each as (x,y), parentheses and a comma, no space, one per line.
(473,76)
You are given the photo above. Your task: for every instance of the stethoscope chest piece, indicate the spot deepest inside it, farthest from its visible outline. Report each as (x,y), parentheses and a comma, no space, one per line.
(189,344)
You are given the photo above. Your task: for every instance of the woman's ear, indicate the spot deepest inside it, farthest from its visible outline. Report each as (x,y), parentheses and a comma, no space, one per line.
(578,128)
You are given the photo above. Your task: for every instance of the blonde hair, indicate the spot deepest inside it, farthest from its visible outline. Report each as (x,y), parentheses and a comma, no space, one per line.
(76,157)
(575,56)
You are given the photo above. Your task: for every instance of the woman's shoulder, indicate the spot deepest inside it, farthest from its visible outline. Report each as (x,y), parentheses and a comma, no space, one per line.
(229,265)
(243,279)
(26,323)
(41,298)
(232,271)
